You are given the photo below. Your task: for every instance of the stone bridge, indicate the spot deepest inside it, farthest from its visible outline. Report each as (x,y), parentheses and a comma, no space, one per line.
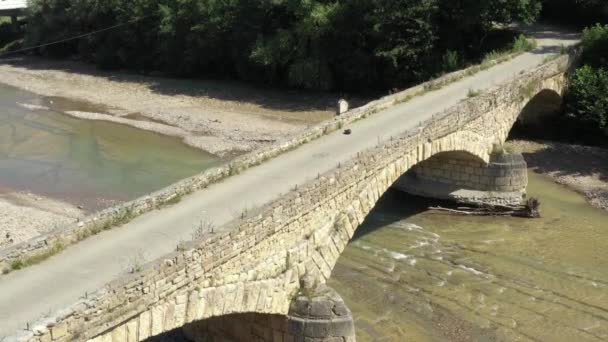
(262,279)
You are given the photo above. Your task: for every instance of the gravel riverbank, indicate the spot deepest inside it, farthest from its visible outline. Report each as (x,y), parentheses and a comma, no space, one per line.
(582,168)
(221,117)
(24,216)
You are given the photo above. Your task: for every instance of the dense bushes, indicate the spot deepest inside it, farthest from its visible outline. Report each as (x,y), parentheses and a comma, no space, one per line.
(575,12)
(8,34)
(587,98)
(318,44)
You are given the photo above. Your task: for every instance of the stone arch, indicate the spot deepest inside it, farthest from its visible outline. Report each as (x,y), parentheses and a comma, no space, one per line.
(345,222)
(465,142)
(537,116)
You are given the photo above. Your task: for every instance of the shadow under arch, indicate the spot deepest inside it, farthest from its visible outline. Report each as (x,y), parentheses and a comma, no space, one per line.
(241,327)
(397,205)
(539,118)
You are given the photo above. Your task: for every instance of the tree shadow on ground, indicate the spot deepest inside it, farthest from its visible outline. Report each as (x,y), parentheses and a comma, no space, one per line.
(546,31)
(569,160)
(271,98)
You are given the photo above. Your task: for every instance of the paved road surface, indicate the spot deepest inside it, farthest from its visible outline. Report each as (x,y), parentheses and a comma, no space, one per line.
(58,282)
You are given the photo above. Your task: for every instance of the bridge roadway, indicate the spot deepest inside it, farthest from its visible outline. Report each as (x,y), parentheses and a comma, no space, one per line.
(56,283)
(12,7)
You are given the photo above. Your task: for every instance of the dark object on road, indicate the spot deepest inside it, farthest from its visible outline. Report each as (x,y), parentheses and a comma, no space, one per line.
(348,131)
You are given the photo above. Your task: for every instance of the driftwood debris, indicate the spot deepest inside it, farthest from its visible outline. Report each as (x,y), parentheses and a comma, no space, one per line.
(530,209)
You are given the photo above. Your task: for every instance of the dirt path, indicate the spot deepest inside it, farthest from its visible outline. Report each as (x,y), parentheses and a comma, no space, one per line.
(582,168)
(220,117)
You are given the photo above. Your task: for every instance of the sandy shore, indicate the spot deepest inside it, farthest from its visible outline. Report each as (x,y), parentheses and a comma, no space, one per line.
(220,117)
(24,216)
(582,168)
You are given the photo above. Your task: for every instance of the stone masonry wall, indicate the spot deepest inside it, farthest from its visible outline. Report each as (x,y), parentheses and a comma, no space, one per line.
(256,263)
(505,172)
(463,178)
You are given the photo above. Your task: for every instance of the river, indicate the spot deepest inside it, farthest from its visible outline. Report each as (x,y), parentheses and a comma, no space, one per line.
(90,163)
(415,275)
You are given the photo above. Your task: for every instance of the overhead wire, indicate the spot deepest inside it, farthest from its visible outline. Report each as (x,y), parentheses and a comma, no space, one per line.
(4,54)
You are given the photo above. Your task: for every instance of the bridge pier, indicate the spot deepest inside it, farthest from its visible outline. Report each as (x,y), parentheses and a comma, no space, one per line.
(463,178)
(321,316)
(318,315)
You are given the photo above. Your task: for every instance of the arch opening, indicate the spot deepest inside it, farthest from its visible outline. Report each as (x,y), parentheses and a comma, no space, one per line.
(241,327)
(465,178)
(539,119)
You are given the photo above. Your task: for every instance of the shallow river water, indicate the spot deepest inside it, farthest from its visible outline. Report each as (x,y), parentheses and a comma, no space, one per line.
(415,275)
(92,163)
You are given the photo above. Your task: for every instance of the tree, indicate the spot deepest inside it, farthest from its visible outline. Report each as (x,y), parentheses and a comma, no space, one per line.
(313,44)
(575,12)
(587,101)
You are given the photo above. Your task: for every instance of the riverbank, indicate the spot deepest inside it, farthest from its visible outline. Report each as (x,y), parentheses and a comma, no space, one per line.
(24,216)
(581,168)
(221,117)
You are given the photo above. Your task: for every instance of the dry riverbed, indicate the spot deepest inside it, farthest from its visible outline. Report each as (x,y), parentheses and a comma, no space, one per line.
(582,168)
(221,117)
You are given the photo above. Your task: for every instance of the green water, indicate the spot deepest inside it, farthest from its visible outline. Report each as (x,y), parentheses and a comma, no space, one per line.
(93,163)
(414,275)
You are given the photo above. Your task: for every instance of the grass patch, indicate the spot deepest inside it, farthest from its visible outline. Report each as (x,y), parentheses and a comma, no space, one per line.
(473,93)
(529,90)
(549,58)
(203,228)
(233,169)
(523,44)
(136,263)
(18,264)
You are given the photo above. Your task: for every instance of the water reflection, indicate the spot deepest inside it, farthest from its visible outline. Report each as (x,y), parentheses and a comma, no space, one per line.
(85,162)
(421,276)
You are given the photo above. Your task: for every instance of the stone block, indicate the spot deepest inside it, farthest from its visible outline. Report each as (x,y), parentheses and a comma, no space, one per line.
(58,331)
(145,325)
(119,334)
(131,330)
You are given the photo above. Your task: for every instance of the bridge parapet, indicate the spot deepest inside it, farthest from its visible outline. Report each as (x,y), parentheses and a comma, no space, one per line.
(255,264)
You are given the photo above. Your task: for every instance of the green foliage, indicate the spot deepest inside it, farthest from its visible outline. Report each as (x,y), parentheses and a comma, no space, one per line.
(587,101)
(595,43)
(522,44)
(314,44)
(473,93)
(575,12)
(18,264)
(450,61)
